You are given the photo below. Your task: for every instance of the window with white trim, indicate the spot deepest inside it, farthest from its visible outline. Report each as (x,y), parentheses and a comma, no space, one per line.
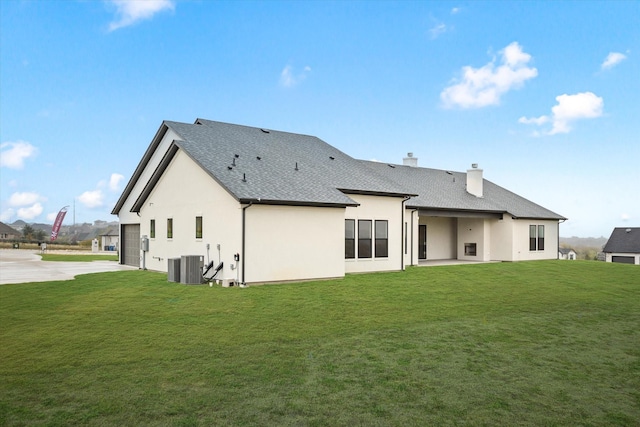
(536,237)
(382,238)
(364,238)
(349,238)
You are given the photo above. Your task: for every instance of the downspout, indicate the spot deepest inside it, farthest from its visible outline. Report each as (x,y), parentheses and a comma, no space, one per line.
(244,239)
(558,235)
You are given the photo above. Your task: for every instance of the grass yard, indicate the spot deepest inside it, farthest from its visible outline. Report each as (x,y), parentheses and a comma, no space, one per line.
(78,257)
(553,343)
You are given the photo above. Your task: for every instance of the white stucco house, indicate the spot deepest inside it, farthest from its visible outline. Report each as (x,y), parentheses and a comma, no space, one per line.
(276,206)
(109,240)
(623,246)
(567,253)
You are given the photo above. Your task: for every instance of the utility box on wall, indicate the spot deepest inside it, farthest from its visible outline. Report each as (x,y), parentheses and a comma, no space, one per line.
(191,269)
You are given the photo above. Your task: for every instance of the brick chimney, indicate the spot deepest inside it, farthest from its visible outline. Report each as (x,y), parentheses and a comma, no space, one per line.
(410,161)
(474,180)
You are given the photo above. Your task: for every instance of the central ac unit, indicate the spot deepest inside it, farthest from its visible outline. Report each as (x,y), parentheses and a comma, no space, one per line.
(173,270)
(191,269)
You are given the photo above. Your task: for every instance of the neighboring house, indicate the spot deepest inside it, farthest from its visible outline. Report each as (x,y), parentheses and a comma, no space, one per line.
(277,206)
(623,246)
(110,240)
(567,253)
(8,233)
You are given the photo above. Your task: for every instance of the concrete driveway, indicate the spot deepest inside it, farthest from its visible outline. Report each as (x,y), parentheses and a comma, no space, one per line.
(22,266)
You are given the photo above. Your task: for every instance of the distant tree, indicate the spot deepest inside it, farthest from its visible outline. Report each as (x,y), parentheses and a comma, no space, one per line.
(39,235)
(28,232)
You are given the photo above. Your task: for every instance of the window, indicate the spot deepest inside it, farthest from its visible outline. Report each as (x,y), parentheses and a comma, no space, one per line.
(536,237)
(382,241)
(406,236)
(364,238)
(152,229)
(170,228)
(198,227)
(532,237)
(541,237)
(349,238)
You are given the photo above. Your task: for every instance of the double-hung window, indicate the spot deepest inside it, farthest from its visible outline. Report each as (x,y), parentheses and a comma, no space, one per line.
(536,237)
(382,238)
(349,238)
(364,238)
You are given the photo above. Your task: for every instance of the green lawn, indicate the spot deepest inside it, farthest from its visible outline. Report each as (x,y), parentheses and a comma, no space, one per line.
(78,257)
(554,343)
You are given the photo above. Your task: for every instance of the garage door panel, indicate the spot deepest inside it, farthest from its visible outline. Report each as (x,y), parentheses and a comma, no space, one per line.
(623,259)
(131,244)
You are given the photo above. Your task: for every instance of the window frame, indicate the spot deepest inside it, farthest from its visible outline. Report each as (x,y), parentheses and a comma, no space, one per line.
(541,237)
(199,227)
(381,243)
(536,237)
(152,228)
(349,242)
(533,237)
(365,238)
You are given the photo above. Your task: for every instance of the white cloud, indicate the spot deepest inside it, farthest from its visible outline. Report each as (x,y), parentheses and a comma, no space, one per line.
(455,10)
(481,87)
(30,212)
(437,30)
(92,199)
(14,154)
(24,199)
(613,59)
(534,120)
(7,215)
(625,217)
(114,181)
(128,12)
(289,79)
(585,105)
(51,217)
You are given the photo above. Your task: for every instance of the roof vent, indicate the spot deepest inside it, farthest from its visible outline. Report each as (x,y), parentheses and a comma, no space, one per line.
(244,177)
(264,130)
(332,158)
(233,163)
(236,155)
(258,157)
(392,166)
(297,166)
(628,230)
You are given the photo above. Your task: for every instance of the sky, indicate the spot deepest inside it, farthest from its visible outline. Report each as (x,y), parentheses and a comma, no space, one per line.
(543,95)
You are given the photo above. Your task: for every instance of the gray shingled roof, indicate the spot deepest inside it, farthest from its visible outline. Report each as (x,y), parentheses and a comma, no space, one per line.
(7,229)
(253,163)
(624,240)
(446,190)
(268,166)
